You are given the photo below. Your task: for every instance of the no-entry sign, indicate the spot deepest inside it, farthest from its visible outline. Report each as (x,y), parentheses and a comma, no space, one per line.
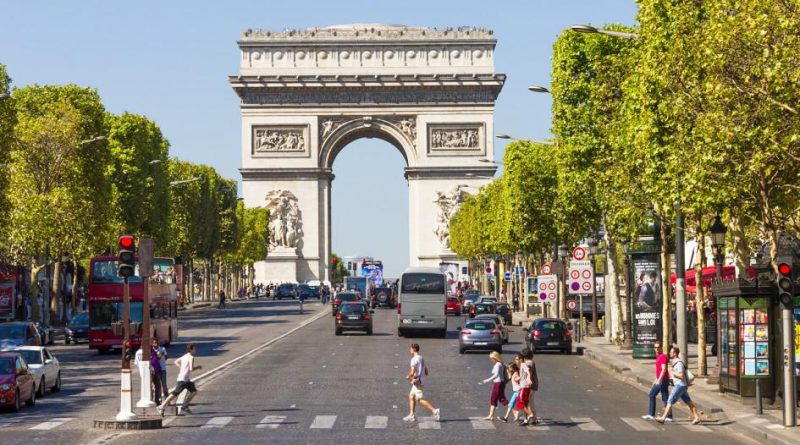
(581,278)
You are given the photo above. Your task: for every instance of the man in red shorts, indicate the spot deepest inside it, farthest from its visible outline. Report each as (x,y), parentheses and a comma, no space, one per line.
(528,382)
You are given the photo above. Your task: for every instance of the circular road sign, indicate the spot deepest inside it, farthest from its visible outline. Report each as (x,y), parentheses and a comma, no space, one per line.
(587,274)
(543,286)
(551,286)
(572,305)
(575,274)
(546,269)
(587,286)
(575,285)
(579,254)
(543,296)
(551,296)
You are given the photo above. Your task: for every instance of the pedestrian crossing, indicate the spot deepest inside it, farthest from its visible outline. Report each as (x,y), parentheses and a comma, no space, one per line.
(372,422)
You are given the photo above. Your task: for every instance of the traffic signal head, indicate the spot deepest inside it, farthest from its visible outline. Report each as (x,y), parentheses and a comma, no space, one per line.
(786,283)
(126,255)
(333,260)
(349,265)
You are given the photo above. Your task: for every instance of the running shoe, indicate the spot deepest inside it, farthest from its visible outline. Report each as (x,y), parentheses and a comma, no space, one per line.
(502,419)
(437,414)
(410,418)
(160,410)
(648,417)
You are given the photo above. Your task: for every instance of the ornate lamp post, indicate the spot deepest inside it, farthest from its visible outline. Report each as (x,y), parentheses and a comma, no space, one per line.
(718,231)
(594,330)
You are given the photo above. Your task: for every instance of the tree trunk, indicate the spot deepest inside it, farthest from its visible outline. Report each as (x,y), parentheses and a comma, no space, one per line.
(56,299)
(74,285)
(666,288)
(190,280)
(221,278)
(36,314)
(700,298)
(613,307)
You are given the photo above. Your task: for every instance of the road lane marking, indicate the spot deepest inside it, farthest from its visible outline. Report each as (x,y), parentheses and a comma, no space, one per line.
(639,424)
(698,428)
(539,427)
(429,423)
(168,420)
(217,422)
(376,422)
(587,424)
(479,423)
(271,422)
(6,422)
(52,423)
(323,422)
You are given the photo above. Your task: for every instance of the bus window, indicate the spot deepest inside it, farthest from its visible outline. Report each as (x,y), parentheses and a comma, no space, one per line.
(422,283)
(105,272)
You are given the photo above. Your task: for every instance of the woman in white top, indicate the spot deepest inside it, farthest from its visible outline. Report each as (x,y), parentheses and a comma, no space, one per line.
(499,378)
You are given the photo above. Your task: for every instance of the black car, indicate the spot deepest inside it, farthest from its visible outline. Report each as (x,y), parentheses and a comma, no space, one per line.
(46,333)
(19,333)
(383,296)
(354,316)
(471,296)
(77,329)
(548,334)
(307,291)
(481,308)
(344,297)
(504,311)
(285,290)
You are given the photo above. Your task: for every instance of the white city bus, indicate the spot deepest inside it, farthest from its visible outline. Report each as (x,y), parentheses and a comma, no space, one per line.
(421,297)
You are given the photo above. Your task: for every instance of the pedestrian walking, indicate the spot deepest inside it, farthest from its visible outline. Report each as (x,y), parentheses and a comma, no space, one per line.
(185,366)
(159,354)
(513,375)
(417,375)
(660,384)
(221,304)
(498,379)
(680,388)
(529,384)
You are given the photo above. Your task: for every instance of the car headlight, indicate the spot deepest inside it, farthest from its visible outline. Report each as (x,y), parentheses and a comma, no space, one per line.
(5,387)
(68,331)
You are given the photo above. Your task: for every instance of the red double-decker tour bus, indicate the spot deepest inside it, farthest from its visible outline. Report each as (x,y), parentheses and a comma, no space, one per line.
(106,304)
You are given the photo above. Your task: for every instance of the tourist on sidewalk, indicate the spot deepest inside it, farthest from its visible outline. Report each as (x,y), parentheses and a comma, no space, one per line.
(498,378)
(680,389)
(660,384)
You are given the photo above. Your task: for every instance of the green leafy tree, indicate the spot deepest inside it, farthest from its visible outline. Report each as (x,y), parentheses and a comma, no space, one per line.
(8,119)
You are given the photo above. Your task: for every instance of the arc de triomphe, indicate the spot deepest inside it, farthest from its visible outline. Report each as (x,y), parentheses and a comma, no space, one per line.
(306,94)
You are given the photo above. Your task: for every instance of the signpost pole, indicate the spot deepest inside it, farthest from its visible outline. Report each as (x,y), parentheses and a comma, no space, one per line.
(145,271)
(126,400)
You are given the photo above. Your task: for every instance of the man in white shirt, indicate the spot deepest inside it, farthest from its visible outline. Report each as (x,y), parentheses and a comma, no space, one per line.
(185,365)
(416,375)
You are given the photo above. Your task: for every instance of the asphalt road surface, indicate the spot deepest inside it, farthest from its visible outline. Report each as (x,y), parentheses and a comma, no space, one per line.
(315,387)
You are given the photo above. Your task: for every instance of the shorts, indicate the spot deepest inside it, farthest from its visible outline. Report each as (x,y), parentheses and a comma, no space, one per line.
(416,392)
(513,401)
(679,392)
(498,394)
(189,386)
(523,398)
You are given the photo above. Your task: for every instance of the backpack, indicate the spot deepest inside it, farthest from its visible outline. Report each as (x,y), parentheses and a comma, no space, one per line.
(503,373)
(534,377)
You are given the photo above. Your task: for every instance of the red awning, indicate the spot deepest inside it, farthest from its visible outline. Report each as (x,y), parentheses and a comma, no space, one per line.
(709,274)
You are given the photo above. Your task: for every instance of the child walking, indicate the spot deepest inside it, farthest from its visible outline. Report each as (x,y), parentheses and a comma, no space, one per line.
(513,375)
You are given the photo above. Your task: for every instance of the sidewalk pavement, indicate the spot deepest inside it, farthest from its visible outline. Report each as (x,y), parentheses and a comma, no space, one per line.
(725,409)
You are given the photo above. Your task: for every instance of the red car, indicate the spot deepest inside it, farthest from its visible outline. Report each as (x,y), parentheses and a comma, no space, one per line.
(453,306)
(16,382)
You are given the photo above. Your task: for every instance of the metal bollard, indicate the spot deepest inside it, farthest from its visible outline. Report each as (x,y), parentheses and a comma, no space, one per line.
(759,405)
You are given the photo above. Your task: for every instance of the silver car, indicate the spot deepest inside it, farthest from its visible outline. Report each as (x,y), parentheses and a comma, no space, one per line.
(498,320)
(44,366)
(479,333)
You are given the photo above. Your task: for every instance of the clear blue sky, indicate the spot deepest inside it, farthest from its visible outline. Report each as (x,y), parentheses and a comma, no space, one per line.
(169,60)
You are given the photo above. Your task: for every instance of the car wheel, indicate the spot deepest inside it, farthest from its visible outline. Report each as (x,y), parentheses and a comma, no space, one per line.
(40,389)
(17,403)
(32,400)
(443,334)
(461,350)
(67,341)
(57,386)
(338,332)
(399,333)
(568,351)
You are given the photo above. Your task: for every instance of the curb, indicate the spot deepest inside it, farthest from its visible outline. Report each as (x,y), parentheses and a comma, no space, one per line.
(624,373)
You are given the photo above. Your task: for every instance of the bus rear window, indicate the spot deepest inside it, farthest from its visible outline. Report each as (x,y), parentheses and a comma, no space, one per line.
(422,283)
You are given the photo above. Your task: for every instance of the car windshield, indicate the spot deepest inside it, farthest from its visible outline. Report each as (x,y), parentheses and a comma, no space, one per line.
(304,287)
(423,283)
(482,308)
(550,325)
(452,300)
(348,297)
(80,319)
(6,366)
(12,331)
(353,309)
(481,325)
(502,309)
(32,357)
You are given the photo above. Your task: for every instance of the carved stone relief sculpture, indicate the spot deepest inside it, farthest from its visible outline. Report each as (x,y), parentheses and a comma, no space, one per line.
(447,203)
(285,220)
(406,124)
(278,140)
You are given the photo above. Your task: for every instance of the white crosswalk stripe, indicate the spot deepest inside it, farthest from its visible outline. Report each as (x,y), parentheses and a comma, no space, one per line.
(376,422)
(217,422)
(478,423)
(428,423)
(639,424)
(698,428)
(271,422)
(323,422)
(587,424)
(52,423)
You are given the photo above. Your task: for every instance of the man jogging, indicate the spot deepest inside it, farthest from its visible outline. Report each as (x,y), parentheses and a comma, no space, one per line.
(185,365)
(416,375)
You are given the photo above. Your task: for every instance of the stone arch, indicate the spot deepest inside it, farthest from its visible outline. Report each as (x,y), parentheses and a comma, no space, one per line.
(366,127)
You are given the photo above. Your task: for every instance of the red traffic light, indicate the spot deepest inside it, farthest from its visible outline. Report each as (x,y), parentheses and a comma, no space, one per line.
(126,241)
(784,269)
(333,260)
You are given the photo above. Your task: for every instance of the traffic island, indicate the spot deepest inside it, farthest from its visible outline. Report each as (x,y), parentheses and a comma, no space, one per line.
(135,424)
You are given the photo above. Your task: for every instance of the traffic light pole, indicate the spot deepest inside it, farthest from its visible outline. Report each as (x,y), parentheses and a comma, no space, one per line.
(145,271)
(789,391)
(126,399)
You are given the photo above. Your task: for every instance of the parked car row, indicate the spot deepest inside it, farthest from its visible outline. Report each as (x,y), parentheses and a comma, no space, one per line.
(26,372)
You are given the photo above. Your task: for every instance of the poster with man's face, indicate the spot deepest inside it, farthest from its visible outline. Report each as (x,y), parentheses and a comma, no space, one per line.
(647,296)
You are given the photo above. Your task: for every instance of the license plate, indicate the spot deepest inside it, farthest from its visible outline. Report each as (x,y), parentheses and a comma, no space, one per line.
(352,318)
(552,343)
(481,343)
(424,321)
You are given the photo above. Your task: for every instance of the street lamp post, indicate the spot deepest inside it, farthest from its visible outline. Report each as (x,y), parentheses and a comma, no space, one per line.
(592,30)
(594,330)
(627,343)
(718,231)
(563,255)
(533,141)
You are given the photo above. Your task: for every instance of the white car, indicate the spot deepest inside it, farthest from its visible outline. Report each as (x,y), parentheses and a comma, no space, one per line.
(44,366)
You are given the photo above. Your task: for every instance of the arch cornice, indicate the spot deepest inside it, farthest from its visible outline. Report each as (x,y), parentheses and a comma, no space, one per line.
(380,127)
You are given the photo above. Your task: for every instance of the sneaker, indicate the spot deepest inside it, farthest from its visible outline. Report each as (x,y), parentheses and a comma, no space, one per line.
(648,417)
(533,421)
(522,422)
(437,414)
(410,418)
(502,419)
(160,410)
(179,411)
(187,410)
(669,420)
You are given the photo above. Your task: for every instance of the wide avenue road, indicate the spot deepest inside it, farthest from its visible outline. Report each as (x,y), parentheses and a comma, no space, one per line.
(315,387)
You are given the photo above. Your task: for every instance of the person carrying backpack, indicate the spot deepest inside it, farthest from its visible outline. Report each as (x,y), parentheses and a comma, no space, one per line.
(499,378)
(681,379)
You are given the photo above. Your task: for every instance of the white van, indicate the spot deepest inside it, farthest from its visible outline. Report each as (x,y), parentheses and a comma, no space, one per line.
(422,297)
